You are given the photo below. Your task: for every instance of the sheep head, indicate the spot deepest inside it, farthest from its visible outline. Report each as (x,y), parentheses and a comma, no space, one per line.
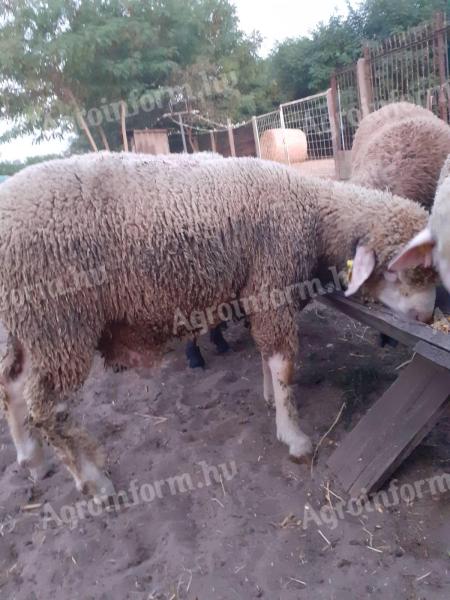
(410,292)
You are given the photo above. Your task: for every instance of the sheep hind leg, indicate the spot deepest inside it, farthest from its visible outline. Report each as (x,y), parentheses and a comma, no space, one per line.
(75,448)
(14,372)
(288,430)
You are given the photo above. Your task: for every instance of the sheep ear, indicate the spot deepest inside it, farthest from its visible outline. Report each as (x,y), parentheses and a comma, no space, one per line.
(363,266)
(419,251)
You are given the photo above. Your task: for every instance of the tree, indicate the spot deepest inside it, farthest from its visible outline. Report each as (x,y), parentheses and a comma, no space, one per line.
(303,66)
(69,64)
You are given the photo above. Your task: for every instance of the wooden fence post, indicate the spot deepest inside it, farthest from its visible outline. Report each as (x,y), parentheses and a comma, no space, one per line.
(283,126)
(231,137)
(213,141)
(364,84)
(256,137)
(183,135)
(333,124)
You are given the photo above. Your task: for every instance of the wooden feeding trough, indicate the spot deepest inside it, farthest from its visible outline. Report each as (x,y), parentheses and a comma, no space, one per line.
(406,412)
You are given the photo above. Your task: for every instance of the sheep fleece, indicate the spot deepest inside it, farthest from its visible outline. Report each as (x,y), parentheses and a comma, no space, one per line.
(401,148)
(117,239)
(102,251)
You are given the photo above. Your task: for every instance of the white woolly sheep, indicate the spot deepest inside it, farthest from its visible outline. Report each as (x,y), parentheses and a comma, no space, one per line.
(105,252)
(401,148)
(432,245)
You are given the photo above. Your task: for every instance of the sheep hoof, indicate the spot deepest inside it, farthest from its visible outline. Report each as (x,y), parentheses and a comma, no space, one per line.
(269,400)
(41,471)
(299,444)
(194,356)
(102,493)
(106,495)
(99,487)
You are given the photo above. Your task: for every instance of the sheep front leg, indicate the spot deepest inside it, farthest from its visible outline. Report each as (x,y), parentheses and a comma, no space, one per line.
(288,430)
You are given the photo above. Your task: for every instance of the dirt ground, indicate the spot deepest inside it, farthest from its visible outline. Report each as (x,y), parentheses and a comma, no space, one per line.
(245,534)
(318,168)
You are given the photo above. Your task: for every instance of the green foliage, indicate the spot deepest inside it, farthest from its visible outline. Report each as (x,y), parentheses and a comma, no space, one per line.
(303,66)
(60,58)
(11,168)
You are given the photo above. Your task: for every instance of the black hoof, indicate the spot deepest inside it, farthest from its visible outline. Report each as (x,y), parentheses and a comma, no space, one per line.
(194,356)
(222,347)
(216,337)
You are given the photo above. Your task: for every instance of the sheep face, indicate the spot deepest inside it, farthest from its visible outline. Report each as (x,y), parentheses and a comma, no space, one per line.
(408,292)
(405,295)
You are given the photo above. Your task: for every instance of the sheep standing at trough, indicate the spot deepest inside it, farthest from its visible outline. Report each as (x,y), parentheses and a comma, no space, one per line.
(119,253)
(401,148)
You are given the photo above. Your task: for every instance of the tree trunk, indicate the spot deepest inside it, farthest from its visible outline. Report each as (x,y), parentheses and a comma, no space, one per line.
(103,137)
(81,121)
(123,109)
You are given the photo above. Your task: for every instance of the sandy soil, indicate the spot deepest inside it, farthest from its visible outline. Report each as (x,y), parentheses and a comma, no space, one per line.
(319,168)
(243,536)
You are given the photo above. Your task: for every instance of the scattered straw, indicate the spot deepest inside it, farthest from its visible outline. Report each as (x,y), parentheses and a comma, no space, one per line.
(30,507)
(323,438)
(424,576)
(297,581)
(324,537)
(407,362)
(156,420)
(288,522)
(223,487)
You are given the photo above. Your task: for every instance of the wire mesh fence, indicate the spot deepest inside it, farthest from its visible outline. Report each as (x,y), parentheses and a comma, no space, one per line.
(346,94)
(269,147)
(412,66)
(311,116)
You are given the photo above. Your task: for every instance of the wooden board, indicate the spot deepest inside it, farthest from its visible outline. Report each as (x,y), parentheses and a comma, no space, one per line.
(381,318)
(395,425)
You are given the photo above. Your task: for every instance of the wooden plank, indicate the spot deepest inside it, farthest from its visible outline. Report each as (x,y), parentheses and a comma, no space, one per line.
(412,429)
(394,426)
(436,355)
(356,448)
(381,318)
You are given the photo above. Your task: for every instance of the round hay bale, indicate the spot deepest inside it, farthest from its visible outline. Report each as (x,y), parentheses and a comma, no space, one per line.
(273,142)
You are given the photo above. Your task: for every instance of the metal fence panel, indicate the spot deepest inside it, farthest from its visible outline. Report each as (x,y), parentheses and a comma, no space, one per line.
(311,116)
(407,65)
(346,97)
(266,122)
